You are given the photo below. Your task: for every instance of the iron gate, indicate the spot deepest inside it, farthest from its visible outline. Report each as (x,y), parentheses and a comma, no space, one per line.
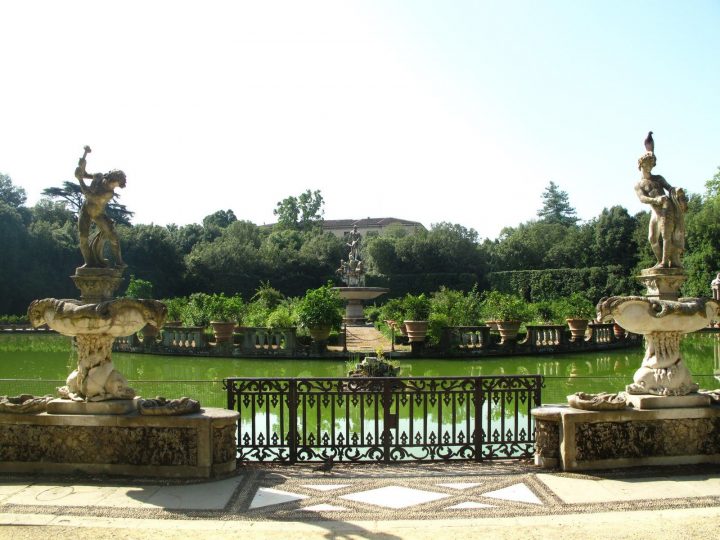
(384,419)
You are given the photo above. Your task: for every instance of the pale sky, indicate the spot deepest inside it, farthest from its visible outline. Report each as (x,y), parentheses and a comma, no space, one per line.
(432,111)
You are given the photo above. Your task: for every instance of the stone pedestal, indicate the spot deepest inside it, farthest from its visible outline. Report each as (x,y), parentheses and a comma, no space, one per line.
(199,445)
(662,283)
(354,297)
(648,401)
(97,284)
(111,406)
(572,439)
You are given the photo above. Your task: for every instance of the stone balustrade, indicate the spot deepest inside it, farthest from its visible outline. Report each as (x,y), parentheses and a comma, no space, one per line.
(184,338)
(258,340)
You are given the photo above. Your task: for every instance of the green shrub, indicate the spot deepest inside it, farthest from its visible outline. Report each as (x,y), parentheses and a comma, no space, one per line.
(575,306)
(416,308)
(505,307)
(175,307)
(320,307)
(139,288)
(283,316)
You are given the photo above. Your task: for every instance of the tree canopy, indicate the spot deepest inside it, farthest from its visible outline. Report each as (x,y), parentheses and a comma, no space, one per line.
(556,206)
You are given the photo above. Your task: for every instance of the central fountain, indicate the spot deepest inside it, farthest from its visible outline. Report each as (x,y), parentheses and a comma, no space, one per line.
(352,273)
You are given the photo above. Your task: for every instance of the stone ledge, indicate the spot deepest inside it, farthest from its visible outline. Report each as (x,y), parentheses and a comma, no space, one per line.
(573,439)
(193,446)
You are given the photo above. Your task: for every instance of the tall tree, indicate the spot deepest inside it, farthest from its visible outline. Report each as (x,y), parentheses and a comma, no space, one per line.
(302,212)
(556,206)
(13,196)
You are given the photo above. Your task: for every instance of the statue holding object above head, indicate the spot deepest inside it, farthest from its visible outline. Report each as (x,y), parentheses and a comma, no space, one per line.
(667,215)
(97,195)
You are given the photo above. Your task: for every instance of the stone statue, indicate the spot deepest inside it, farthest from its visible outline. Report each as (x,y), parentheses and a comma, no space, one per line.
(352,270)
(667,220)
(715,286)
(100,191)
(354,243)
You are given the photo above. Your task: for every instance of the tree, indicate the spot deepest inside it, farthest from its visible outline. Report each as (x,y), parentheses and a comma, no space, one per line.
(302,212)
(556,206)
(72,196)
(11,195)
(615,242)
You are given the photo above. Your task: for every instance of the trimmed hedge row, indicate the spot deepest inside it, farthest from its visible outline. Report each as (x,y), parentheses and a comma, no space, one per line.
(402,284)
(543,285)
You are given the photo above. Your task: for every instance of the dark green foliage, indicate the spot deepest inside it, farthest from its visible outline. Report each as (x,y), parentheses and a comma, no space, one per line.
(303,212)
(139,288)
(320,307)
(540,285)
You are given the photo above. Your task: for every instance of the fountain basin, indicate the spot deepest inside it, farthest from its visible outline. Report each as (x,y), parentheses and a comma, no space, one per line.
(354,297)
(116,318)
(642,315)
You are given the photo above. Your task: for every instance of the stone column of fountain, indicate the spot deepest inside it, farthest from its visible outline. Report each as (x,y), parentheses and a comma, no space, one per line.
(663,380)
(97,318)
(352,272)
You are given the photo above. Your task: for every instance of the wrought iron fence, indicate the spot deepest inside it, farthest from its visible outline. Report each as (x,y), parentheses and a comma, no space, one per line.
(384,419)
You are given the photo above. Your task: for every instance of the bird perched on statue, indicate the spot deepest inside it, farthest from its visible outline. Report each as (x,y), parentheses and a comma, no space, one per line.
(649,143)
(326,466)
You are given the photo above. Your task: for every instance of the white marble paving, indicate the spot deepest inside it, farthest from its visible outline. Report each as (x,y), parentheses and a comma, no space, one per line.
(516,492)
(270,496)
(202,496)
(394,497)
(599,490)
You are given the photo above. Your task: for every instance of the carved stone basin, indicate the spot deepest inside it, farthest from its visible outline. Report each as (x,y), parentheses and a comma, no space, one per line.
(360,293)
(642,315)
(120,317)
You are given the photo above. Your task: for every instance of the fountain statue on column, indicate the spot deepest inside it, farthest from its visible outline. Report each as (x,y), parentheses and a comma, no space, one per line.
(97,318)
(352,273)
(661,316)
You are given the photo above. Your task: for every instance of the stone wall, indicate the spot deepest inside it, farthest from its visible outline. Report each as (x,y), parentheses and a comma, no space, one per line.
(196,445)
(571,439)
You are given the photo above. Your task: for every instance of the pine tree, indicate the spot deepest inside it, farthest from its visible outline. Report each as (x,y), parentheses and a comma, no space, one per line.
(556,207)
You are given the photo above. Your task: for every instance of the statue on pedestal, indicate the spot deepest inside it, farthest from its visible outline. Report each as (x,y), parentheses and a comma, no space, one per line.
(100,191)
(668,206)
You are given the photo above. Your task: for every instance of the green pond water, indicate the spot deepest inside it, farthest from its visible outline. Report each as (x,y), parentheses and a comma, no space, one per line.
(42,362)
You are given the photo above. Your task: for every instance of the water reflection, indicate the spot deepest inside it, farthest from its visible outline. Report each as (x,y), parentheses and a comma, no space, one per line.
(607,371)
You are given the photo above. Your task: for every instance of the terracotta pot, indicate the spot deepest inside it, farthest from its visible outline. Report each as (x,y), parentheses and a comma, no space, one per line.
(416,330)
(493,325)
(508,330)
(223,331)
(320,333)
(577,328)
(619,331)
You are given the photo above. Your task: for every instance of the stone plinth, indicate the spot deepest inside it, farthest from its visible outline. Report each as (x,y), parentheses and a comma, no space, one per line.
(97,284)
(110,406)
(199,445)
(647,401)
(662,283)
(573,439)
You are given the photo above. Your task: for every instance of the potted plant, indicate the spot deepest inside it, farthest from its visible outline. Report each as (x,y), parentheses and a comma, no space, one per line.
(223,313)
(577,310)
(508,311)
(175,308)
(319,311)
(417,312)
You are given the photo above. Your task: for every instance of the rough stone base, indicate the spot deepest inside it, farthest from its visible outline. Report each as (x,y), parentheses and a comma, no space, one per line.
(198,445)
(573,439)
(111,406)
(647,401)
